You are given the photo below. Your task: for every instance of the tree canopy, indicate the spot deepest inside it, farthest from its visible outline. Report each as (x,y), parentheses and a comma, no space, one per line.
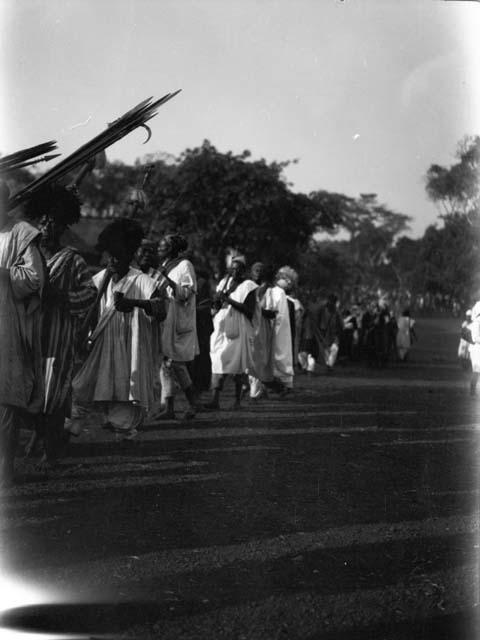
(456,189)
(229,202)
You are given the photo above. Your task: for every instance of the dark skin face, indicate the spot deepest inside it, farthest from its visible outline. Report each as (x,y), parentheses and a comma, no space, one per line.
(147,257)
(118,260)
(52,232)
(237,270)
(164,250)
(257,273)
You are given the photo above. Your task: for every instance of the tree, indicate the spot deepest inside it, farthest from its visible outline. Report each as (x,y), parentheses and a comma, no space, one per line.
(332,209)
(108,189)
(327,266)
(448,259)
(403,261)
(223,200)
(456,189)
(372,229)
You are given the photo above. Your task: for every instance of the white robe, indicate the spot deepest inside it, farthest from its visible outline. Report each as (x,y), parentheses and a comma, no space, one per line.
(474,348)
(282,336)
(404,340)
(179,332)
(121,365)
(231,343)
(273,339)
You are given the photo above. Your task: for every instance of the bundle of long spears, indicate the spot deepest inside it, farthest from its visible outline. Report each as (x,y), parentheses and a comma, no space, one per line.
(28,157)
(136,117)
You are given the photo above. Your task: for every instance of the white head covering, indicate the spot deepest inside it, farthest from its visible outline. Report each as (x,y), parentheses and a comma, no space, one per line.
(476,310)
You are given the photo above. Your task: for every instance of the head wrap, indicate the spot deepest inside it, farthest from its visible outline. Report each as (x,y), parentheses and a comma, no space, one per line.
(238,258)
(288,274)
(476,310)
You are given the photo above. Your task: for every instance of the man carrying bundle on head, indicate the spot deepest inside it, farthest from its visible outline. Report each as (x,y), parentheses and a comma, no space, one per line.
(179,343)
(22,278)
(68,294)
(231,343)
(118,374)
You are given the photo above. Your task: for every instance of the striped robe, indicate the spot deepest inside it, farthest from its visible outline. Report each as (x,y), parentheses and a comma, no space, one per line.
(67,272)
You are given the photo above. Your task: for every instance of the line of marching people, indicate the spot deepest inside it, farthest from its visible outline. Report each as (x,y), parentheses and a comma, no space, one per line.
(71,344)
(123,342)
(368,332)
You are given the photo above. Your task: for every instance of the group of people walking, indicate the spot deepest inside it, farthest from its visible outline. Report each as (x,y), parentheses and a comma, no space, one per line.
(123,342)
(368,332)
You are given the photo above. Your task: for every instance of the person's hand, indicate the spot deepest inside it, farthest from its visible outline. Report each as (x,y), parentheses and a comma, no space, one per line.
(269,313)
(124,305)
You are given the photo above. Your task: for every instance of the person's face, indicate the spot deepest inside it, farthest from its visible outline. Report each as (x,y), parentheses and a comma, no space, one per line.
(164,249)
(257,272)
(118,264)
(118,260)
(147,257)
(51,231)
(131,207)
(237,269)
(284,284)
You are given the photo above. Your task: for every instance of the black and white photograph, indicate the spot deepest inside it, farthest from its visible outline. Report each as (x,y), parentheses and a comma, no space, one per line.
(239,319)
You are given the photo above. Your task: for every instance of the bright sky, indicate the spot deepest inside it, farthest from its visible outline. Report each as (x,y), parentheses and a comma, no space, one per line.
(366,94)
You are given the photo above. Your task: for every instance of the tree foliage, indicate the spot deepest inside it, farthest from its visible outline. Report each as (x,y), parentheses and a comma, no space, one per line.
(448,259)
(223,200)
(456,189)
(227,201)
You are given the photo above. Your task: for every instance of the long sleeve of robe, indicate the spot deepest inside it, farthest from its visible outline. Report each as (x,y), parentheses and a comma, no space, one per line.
(179,333)
(21,282)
